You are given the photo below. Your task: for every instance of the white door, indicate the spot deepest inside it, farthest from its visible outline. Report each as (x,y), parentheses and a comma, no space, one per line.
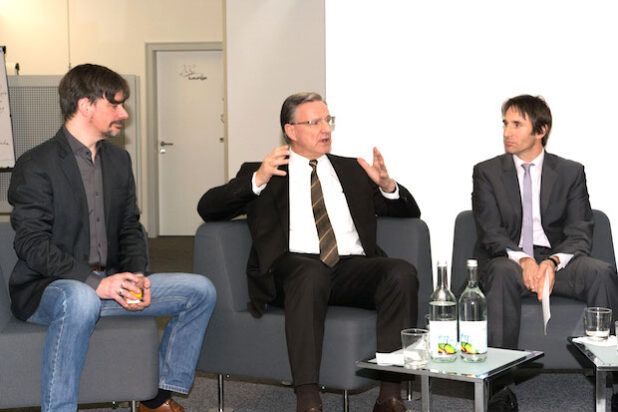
(190,133)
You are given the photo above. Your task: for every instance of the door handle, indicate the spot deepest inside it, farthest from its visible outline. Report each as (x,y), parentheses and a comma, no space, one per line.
(163,144)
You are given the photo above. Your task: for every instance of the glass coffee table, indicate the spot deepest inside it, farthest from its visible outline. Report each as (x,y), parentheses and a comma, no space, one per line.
(605,360)
(499,361)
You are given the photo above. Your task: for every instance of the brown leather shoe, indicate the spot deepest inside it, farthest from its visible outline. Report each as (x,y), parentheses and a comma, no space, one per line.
(314,409)
(389,405)
(169,405)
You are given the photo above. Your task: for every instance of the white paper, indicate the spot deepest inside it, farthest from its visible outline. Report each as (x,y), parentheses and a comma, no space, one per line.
(545,302)
(393,358)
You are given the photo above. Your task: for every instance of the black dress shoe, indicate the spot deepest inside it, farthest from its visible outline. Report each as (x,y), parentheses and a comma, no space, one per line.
(503,401)
(389,405)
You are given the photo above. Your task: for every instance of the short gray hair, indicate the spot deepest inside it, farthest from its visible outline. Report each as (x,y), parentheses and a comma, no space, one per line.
(288,109)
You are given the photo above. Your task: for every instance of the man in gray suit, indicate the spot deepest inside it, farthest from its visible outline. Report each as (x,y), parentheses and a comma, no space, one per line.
(82,252)
(534,223)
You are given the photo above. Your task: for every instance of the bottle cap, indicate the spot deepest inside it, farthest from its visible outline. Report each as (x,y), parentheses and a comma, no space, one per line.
(472,263)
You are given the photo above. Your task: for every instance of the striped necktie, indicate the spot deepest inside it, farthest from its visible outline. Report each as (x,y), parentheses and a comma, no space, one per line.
(329,253)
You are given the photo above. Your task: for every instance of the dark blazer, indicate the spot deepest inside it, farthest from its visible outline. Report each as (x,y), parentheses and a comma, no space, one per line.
(268,217)
(50,219)
(565,209)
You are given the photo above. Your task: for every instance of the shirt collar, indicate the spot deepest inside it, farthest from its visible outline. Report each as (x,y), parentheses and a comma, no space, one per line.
(537,162)
(77,147)
(299,162)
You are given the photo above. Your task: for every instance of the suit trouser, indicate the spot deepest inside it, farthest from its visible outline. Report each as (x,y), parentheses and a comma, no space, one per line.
(584,278)
(306,286)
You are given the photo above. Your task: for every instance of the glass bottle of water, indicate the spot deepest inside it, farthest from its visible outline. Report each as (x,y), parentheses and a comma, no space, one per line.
(473,319)
(443,320)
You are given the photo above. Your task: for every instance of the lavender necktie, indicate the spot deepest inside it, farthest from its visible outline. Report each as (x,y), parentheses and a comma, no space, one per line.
(526,227)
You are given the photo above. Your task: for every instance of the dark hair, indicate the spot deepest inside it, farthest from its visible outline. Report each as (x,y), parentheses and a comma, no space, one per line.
(288,109)
(93,82)
(535,109)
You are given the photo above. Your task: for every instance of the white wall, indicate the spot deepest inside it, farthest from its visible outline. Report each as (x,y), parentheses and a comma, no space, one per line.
(424,82)
(273,48)
(112,33)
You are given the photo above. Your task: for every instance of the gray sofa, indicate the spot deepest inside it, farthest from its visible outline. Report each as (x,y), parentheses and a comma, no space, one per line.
(567,314)
(238,344)
(116,343)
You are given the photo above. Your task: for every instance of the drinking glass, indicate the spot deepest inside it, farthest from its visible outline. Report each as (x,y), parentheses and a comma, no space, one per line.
(596,322)
(415,344)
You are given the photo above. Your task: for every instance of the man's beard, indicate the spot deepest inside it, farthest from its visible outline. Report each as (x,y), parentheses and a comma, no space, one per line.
(113,132)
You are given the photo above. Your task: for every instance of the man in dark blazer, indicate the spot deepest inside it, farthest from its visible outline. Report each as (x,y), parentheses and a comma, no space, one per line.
(516,262)
(290,266)
(82,252)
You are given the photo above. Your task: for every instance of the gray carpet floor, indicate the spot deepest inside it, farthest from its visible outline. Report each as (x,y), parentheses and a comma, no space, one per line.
(549,392)
(558,392)
(544,392)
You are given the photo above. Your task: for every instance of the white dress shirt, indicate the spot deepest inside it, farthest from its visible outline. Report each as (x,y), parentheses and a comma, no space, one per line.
(303,232)
(539,238)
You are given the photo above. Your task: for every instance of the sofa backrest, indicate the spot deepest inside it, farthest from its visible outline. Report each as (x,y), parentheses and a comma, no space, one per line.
(5,303)
(408,239)
(221,252)
(8,258)
(7,261)
(602,241)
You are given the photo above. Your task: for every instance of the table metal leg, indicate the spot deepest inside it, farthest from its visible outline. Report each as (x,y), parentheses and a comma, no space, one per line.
(480,396)
(409,390)
(425,394)
(601,392)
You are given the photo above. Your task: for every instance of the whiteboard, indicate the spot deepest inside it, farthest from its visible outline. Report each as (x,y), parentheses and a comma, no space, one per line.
(7,152)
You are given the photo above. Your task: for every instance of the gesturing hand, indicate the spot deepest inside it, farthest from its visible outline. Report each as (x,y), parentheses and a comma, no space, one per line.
(377,171)
(270,164)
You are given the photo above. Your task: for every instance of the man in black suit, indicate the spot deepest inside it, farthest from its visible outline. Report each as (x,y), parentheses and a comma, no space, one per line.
(302,266)
(534,223)
(82,252)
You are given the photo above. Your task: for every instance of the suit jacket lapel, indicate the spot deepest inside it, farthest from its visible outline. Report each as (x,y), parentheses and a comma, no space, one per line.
(548,180)
(70,169)
(357,196)
(345,179)
(511,186)
(350,189)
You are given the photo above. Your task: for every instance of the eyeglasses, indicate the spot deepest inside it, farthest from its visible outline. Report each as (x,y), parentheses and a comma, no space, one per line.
(330,120)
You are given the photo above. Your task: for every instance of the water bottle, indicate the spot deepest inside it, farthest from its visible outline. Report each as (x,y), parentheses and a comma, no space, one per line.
(443,320)
(473,319)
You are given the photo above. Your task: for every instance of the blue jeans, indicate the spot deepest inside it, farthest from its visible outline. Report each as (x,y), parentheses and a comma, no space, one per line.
(71,309)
